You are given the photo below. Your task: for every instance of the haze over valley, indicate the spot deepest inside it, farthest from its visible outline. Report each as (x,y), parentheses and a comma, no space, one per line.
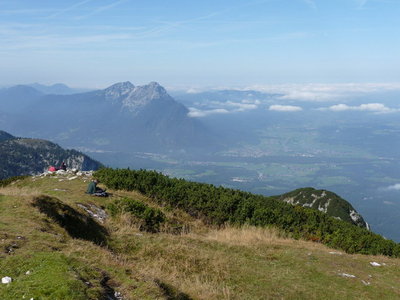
(199,149)
(264,142)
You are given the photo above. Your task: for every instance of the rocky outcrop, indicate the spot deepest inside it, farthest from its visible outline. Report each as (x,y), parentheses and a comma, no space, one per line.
(22,156)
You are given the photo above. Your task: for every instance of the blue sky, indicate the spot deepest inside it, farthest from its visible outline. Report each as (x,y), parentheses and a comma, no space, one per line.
(94,43)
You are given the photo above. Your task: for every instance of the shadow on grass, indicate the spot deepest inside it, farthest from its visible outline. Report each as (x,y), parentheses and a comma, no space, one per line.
(77,225)
(171,293)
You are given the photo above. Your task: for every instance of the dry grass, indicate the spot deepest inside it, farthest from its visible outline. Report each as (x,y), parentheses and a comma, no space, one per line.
(123,224)
(201,274)
(247,235)
(16,191)
(250,236)
(206,263)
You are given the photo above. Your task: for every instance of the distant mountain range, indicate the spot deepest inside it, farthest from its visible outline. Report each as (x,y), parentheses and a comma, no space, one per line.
(121,117)
(17,98)
(57,89)
(24,156)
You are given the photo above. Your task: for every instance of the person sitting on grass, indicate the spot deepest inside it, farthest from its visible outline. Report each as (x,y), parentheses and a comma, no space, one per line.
(94,190)
(63,166)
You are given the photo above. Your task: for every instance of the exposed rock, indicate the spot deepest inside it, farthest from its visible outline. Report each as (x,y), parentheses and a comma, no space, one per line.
(70,174)
(375,264)
(346,275)
(10,249)
(94,211)
(365,282)
(6,280)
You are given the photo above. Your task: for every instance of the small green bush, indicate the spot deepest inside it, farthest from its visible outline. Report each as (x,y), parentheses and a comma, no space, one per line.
(152,217)
(8,181)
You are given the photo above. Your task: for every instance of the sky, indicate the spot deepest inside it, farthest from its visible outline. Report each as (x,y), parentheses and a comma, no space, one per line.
(95,43)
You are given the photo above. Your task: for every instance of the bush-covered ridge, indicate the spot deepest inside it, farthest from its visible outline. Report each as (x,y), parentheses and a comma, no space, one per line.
(219,205)
(324,201)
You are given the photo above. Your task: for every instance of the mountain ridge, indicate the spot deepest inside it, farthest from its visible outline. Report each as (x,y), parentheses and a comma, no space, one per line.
(134,97)
(57,89)
(146,118)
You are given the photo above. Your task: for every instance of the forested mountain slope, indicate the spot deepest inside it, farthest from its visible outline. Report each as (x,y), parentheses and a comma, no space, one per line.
(24,156)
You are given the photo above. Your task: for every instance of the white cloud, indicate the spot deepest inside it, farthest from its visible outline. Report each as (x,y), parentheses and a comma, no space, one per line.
(223,107)
(388,203)
(339,107)
(193,91)
(237,107)
(197,113)
(242,106)
(324,92)
(378,107)
(285,108)
(372,107)
(394,187)
(345,93)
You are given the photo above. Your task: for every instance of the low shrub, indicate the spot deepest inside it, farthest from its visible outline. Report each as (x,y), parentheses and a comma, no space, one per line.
(8,181)
(151,218)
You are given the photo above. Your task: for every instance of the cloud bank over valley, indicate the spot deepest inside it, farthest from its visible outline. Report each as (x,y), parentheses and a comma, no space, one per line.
(367,98)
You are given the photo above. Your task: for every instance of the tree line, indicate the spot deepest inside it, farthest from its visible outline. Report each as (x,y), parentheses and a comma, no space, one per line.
(220,205)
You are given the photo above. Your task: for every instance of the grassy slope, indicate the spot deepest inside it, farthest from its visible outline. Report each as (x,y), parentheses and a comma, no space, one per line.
(206,263)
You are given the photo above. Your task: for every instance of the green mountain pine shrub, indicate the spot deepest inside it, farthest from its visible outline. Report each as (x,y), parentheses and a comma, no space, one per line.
(219,205)
(151,218)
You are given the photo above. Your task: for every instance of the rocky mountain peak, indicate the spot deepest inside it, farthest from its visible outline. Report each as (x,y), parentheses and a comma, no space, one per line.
(155,86)
(134,97)
(140,96)
(150,91)
(118,90)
